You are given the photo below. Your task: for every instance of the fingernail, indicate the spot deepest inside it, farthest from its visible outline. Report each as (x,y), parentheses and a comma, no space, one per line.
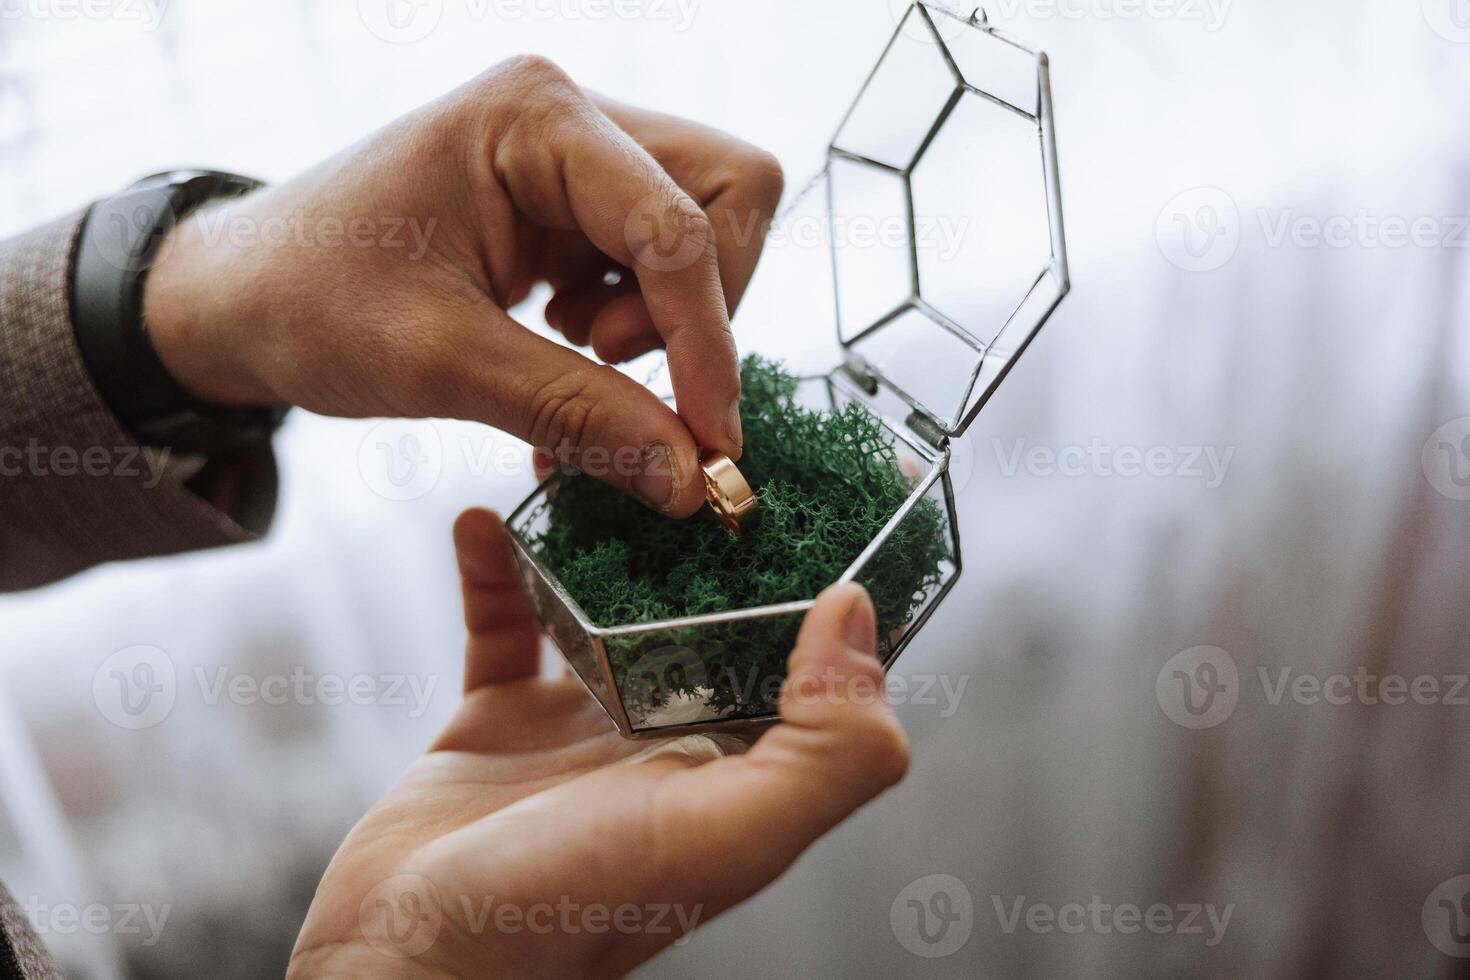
(654,482)
(733,427)
(859,629)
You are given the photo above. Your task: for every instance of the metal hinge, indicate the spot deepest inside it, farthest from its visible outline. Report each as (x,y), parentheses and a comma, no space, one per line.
(868,381)
(927,429)
(857,369)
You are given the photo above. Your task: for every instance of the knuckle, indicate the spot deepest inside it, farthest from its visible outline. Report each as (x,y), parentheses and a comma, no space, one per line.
(669,231)
(690,217)
(501,114)
(527,88)
(533,107)
(534,69)
(765,177)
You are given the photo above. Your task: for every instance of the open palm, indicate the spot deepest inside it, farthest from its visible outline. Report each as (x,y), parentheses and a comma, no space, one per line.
(533,841)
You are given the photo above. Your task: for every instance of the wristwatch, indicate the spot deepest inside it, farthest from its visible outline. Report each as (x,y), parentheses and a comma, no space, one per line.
(119,242)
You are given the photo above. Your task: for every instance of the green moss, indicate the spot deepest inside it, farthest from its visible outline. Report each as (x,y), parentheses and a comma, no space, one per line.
(827,483)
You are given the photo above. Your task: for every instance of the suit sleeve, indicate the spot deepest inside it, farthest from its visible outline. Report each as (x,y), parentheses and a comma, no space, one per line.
(76,490)
(22,954)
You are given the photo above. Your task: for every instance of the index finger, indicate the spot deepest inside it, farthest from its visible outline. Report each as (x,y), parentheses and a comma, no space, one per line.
(577,168)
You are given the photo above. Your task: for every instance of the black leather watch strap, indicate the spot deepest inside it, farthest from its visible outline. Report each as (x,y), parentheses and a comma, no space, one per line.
(119,243)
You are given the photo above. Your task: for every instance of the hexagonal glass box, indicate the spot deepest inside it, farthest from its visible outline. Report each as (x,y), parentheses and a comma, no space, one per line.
(951,140)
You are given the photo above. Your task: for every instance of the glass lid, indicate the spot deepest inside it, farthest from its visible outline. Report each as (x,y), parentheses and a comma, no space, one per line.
(945,214)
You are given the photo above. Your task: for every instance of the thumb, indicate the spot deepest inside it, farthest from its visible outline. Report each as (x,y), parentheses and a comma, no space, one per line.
(588,415)
(839,745)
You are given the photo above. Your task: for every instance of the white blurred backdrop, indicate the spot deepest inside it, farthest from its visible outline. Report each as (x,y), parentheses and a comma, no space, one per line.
(1201,143)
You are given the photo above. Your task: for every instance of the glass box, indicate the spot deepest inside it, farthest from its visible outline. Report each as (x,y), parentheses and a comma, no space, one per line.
(950,140)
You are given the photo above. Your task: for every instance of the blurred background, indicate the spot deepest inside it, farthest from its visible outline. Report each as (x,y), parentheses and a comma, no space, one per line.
(1267,212)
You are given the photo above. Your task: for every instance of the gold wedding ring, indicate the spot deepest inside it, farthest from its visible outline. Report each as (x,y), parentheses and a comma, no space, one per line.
(729,496)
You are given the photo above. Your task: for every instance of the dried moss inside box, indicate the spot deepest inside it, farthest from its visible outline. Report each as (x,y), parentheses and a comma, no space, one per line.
(689,623)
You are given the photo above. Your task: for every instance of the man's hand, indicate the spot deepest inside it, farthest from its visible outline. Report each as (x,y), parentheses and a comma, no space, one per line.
(532,841)
(379,282)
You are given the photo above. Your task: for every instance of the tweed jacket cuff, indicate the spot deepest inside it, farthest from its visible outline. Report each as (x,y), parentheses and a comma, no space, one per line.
(22,956)
(77,490)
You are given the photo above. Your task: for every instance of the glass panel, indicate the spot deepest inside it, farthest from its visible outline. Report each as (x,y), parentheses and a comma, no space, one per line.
(554,608)
(792,290)
(912,569)
(908,91)
(993,65)
(1007,347)
(871,244)
(703,672)
(985,235)
(930,365)
(982,209)
(722,668)
(729,667)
